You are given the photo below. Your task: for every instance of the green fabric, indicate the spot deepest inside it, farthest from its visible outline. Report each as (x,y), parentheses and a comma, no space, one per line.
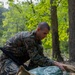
(50,70)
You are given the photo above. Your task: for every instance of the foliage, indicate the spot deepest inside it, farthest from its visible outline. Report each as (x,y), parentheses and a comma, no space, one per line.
(1,23)
(63,25)
(26,15)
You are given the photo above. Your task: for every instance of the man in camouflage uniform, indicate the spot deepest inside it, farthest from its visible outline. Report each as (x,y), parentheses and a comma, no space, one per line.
(25,46)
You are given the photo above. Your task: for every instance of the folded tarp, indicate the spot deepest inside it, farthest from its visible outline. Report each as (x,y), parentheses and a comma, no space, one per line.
(49,70)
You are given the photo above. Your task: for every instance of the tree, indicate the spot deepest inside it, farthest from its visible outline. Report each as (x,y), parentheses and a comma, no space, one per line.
(26,15)
(1,19)
(71,29)
(2,10)
(55,36)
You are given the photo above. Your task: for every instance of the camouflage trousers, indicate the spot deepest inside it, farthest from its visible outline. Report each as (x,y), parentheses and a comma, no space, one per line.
(7,66)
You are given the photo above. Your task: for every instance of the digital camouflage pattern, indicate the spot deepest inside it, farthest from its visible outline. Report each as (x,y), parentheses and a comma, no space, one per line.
(24,46)
(8,67)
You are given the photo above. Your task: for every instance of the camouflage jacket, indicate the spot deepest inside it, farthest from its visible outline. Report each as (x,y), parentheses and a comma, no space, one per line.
(24,46)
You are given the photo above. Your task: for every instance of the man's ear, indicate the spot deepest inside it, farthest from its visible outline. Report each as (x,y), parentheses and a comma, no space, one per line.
(38,29)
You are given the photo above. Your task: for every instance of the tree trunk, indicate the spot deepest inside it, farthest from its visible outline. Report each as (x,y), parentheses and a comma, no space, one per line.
(55,36)
(71,29)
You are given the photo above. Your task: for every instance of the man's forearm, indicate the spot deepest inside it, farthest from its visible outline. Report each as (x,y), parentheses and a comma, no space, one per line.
(60,65)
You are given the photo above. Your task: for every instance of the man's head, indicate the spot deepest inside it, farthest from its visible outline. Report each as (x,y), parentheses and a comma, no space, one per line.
(42,30)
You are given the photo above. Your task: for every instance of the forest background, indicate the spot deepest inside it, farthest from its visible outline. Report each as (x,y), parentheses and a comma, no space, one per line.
(25,16)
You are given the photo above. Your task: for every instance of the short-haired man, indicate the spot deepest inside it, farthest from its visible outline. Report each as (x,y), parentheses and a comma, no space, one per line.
(25,46)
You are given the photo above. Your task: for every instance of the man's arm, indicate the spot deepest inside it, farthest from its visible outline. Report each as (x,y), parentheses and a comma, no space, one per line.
(37,58)
(34,54)
(60,65)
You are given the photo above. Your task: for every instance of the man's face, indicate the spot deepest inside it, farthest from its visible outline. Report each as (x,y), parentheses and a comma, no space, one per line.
(42,33)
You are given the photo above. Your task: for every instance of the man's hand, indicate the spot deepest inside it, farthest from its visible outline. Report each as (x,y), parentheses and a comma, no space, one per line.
(60,65)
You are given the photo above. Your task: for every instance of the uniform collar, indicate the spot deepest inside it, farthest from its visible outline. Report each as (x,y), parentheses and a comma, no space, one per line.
(34,34)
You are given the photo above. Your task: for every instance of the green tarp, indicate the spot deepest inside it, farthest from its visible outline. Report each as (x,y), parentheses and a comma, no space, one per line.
(50,70)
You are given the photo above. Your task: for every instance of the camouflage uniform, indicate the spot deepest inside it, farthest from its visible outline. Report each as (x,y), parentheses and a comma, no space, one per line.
(24,46)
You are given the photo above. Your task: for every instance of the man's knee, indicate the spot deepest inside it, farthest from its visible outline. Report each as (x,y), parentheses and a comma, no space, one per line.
(8,67)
